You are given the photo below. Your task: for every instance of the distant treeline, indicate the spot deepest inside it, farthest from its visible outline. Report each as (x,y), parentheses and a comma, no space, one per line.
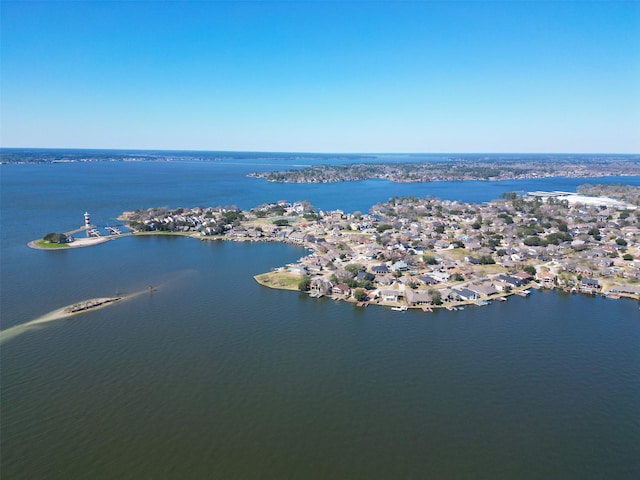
(494,169)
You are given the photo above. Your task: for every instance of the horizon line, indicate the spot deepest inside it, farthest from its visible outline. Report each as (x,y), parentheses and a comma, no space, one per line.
(138,149)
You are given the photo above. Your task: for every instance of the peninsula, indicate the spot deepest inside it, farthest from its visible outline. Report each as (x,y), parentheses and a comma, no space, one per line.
(429,253)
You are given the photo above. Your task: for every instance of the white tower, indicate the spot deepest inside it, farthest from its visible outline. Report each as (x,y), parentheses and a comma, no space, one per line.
(87,223)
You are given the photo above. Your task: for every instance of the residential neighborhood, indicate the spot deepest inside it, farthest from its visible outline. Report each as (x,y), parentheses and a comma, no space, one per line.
(430,253)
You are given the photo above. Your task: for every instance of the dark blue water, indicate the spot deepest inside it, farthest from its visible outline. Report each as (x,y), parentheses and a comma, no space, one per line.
(215,376)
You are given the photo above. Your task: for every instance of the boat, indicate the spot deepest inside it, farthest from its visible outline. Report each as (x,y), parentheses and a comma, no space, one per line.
(523,293)
(402,308)
(501,299)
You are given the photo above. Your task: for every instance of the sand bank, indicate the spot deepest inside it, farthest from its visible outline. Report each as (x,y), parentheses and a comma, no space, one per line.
(66,312)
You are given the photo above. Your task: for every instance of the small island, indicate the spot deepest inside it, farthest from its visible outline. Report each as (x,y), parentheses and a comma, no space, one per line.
(93,236)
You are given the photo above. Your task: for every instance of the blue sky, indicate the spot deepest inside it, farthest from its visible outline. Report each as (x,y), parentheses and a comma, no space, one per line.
(359,76)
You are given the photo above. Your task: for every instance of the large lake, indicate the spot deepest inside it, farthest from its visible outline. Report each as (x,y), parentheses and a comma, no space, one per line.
(213,376)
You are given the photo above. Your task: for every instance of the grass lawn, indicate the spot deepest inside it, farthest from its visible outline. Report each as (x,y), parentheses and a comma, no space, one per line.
(279,279)
(43,244)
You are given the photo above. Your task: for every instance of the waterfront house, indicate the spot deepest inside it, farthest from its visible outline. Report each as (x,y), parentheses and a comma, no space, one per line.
(548,279)
(320,285)
(418,297)
(447,295)
(523,276)
(390,295)
(341,289)
(465,294)
(509,280)
(484,290)
(589,285)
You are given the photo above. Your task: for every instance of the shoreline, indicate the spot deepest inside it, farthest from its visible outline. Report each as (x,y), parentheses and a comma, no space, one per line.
(93,241)
(451,306)
(402,257)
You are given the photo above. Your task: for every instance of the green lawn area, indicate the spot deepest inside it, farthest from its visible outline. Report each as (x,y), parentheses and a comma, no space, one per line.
(279,279)
(43,244)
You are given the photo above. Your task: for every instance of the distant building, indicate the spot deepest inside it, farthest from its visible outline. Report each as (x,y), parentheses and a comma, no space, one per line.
(574,198)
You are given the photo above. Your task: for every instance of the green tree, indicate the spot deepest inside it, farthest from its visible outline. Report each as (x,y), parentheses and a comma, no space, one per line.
(304,284)
(360,295)
(595,233)
(55,238)
(353,268)
(436,297)
(429,260)
(486,260)
(534,242)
